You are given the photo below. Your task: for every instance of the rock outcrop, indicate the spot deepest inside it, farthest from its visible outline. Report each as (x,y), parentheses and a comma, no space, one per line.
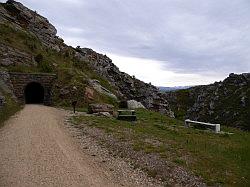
(15,57)
(132,104)
(128,87)
(99,88)
(100,108)
(23,18)
(226,102)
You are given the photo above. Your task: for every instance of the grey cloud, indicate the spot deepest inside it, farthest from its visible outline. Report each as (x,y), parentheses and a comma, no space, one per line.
(195,36)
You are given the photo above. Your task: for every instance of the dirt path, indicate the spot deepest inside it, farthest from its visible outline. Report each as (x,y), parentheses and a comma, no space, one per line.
(35,150)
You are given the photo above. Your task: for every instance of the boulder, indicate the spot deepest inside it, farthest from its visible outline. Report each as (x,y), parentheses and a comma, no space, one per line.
(97,108)
(99,88)
(104,114)
(89,94)
(133,104)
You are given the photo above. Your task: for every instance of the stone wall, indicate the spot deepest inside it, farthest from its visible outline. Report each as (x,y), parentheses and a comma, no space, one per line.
(21,80)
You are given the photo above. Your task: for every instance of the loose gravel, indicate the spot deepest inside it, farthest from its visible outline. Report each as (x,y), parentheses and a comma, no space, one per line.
(37,150)
(98,142)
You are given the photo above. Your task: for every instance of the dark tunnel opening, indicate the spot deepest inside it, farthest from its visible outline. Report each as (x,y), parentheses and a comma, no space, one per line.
(34,93)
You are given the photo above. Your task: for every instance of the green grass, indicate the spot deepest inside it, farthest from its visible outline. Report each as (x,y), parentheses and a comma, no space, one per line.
(219,159)
(10,108)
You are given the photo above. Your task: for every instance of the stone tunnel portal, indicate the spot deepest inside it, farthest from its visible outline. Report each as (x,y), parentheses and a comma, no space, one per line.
(34,93)
(33,88)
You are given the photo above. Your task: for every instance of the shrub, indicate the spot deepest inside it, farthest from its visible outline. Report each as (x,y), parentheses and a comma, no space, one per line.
(39,58)
(45,67)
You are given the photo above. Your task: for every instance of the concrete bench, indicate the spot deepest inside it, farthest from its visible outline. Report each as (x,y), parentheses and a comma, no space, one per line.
(127,115)
(214,127)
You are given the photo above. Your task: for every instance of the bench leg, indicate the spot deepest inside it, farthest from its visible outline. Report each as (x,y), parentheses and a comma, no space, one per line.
(217,128)
(186,124)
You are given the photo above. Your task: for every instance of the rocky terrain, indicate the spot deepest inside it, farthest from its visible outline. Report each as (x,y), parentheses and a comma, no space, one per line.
(226,102)
(29,41)
(155,145)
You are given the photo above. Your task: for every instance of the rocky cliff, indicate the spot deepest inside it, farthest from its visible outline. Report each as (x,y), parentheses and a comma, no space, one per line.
(226,102)
(29,43)
(127,87)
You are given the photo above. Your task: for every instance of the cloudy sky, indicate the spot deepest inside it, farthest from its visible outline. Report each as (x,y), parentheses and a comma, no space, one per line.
(165,42)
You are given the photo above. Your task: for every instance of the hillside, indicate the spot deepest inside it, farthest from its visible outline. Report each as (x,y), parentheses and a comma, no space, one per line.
(156,143)
(225,102)
(28,43)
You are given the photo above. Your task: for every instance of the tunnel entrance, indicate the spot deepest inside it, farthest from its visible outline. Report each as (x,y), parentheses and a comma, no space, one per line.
(34,93)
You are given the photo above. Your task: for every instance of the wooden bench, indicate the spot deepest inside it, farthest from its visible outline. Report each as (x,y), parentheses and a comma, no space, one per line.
(127,115)
(214,127)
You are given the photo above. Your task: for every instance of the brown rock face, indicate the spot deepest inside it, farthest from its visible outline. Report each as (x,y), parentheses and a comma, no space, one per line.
(89,94)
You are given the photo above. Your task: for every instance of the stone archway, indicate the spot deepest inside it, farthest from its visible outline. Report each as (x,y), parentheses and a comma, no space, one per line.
(34,93)
(26,85)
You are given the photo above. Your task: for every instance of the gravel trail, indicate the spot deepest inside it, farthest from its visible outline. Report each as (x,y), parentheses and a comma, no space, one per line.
(36,150)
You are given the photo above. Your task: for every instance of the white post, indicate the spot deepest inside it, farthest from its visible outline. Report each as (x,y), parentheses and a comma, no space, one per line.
(217,128)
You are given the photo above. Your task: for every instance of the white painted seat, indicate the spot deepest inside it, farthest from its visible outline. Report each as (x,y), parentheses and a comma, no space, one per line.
(214,127)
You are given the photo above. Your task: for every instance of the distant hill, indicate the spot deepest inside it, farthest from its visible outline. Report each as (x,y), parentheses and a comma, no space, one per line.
(167,89)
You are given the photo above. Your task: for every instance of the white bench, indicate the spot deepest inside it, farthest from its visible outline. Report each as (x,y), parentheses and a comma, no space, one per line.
(214,127)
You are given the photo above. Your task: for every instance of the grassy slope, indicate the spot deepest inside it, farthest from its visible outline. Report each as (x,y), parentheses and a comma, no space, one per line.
(70,71)
(10,108)
(219,159)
